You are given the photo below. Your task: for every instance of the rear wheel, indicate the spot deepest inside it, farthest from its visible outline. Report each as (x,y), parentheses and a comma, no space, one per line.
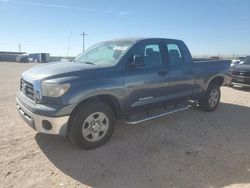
(92,125)
(211,99)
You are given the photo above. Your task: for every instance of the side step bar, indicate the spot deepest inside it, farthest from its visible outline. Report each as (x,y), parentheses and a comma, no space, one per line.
(133,121)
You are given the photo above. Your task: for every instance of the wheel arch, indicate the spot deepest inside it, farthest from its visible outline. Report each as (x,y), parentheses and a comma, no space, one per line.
(218,79)
(110,100)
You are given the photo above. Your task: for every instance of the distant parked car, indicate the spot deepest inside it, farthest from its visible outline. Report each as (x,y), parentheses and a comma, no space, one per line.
(23,58)
(241,73)
(241,58)
(235,62)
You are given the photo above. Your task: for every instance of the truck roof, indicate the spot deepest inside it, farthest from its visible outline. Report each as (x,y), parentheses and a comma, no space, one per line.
(136,39)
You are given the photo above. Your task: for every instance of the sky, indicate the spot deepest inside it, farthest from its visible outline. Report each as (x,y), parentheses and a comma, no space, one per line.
(211,27)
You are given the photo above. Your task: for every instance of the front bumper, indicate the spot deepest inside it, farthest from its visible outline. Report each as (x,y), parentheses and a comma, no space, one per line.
(241,80)
(43,124)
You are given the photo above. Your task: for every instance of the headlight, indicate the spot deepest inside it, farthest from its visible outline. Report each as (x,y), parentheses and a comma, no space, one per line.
(54,90)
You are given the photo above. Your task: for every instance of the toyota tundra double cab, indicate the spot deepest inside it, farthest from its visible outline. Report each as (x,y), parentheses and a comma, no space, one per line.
(131,80)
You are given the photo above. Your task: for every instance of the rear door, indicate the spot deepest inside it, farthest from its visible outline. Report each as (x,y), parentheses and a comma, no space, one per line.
(181,77)
(145,86)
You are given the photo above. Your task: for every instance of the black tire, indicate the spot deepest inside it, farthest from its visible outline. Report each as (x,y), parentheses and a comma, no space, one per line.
(204,102)
(76,125)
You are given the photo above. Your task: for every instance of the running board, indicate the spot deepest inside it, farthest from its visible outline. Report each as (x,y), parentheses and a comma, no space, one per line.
(137,120)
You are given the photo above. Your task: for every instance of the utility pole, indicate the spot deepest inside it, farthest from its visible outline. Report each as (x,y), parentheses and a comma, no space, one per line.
(19,47)
(83,40)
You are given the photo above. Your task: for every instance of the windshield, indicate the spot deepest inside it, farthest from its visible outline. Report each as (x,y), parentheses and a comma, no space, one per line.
(106,53)
(246,61)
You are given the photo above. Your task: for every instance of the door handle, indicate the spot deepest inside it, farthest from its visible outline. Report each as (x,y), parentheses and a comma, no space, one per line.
(163,72)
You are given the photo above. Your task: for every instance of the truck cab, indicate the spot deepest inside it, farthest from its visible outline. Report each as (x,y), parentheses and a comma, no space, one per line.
(164,71)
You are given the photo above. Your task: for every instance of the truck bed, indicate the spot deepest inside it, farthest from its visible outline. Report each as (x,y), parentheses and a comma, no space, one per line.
(212,66)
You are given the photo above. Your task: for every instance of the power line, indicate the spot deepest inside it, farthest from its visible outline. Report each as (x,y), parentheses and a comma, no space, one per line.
(83,40)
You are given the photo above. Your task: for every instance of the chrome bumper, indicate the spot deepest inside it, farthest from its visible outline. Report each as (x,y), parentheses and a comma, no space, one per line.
(240,84)
(37,122)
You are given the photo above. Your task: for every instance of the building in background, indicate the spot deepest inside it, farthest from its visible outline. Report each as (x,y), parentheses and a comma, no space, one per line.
(33,57)
(40,57)
(9,56)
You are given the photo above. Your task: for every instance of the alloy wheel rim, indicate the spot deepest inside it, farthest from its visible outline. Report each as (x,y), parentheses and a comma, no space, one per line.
(95,126)
(213,98)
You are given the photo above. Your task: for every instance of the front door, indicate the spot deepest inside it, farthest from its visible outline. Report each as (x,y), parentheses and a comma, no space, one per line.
(145,86)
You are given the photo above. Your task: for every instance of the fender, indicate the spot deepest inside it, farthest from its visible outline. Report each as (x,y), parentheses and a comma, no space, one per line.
(219,75)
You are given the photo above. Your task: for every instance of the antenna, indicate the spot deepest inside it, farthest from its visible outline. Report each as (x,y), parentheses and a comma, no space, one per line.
(19,47)
(69,43)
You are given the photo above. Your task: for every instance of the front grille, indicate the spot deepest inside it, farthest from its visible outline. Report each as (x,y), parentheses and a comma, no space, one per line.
(241,73)
(243,80)
(27,89)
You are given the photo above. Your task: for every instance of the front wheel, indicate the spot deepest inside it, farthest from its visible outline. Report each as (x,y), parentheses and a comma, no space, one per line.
(92,125)
(211,99)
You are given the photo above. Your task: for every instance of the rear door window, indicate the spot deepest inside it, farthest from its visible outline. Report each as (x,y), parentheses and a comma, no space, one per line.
(174,54)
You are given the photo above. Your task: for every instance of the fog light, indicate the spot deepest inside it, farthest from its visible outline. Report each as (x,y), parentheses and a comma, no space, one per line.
(46,125)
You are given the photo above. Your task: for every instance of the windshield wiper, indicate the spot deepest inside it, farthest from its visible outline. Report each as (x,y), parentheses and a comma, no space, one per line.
(90,63)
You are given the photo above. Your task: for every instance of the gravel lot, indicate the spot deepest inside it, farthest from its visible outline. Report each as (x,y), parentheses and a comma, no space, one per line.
(189,149)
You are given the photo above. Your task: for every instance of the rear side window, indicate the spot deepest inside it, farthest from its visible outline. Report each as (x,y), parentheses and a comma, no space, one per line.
(174,54)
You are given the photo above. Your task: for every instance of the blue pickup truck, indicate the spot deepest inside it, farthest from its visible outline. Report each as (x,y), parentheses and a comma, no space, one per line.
(131,80)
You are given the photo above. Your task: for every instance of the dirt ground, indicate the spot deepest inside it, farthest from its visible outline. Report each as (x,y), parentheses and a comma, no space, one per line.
(190,149)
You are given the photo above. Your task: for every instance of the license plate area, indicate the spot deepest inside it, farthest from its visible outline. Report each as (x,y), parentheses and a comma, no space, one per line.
(29,120)
(240,79)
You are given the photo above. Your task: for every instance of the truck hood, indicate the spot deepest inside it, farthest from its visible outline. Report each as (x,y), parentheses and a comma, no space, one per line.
(240,68)
(57,68)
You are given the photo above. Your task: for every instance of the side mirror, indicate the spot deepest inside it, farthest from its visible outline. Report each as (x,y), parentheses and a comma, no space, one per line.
(138,61)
